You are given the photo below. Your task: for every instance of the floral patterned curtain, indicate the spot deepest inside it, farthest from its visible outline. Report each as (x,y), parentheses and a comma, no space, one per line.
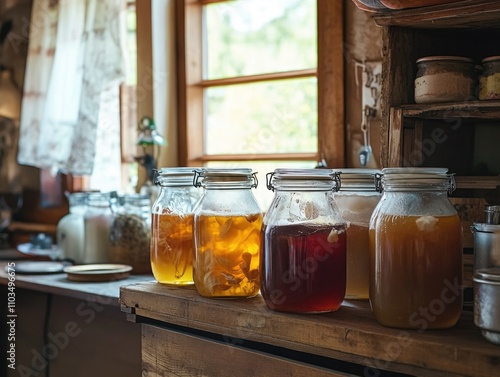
(75,60)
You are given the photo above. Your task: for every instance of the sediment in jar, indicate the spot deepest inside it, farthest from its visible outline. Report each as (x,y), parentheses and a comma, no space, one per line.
(303,267)
(172,248)
(416,271)
(227,256)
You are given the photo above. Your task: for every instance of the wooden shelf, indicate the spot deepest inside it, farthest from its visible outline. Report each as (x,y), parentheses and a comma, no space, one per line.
(470,110)
(463,14)
(351,334)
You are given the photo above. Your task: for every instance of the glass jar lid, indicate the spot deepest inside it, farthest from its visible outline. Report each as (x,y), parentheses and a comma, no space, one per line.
(303,179)
(358,179)
(415,179)
(170,177)
(225,178)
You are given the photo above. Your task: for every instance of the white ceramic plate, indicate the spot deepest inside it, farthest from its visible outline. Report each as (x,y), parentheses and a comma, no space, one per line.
(28,249)
(39,267)
(98,272)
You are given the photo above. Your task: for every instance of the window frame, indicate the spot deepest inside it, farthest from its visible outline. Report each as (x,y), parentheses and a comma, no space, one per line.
(191,86)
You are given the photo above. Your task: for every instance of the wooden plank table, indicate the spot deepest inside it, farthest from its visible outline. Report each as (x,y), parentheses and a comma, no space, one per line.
(67,328)
(349,335)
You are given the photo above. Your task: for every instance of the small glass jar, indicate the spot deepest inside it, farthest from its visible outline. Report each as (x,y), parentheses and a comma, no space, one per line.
(489,81)
(356,199)
(97,219)
(444,79)
(71,228)
(227,224)
(303,243)
(416,251)
(130,232)
(172,243)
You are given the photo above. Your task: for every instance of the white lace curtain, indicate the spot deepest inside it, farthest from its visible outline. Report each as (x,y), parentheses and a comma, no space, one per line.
(74,67)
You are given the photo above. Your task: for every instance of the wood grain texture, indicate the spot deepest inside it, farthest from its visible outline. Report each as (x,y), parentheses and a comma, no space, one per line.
(331,113)
(170,353)
(466,14)
(350,334)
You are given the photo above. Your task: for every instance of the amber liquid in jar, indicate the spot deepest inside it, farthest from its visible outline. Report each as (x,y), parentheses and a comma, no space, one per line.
(304,267)
(418,285)
(172,253)
(228,255)
(358,265)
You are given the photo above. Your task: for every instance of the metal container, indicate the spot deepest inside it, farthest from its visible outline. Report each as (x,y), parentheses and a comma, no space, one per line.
(492,214)
(486,245)
(487,303)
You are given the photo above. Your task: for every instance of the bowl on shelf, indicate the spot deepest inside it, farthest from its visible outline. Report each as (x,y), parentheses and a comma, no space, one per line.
(370,5)
(405,4)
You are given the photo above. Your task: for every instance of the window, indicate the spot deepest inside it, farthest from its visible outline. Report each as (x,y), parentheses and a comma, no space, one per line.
(261,84)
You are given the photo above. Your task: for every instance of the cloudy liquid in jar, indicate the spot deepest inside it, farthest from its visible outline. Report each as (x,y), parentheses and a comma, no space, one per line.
(358,265)
(227,255)
(172,248)
(416,271)
(303,267)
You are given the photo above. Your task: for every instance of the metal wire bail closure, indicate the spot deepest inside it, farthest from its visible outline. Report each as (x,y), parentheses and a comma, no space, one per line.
(378,182)
(301,178)
(230,178)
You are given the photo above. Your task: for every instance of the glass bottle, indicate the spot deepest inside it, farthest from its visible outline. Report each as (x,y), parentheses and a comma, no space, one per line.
(130,232)
(303,243)
(172,244)
(227,224)
(356,200)
(98,218)
(416,251)
(71,228)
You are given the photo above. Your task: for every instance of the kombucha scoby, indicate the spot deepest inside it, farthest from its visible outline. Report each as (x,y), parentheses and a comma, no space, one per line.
(416,271)
(172,253)
(227,256)
(304,267)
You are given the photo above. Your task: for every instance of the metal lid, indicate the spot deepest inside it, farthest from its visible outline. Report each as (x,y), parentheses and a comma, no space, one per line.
(485,228)
(416,178)
(445,58)
(179,176)
(225,178)
(487,275)
(358,179)
(303,179)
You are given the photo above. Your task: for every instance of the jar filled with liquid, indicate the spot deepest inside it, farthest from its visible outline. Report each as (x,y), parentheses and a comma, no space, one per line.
(356,199)
(172,243)
(227,224)
(303,243)
(416,251)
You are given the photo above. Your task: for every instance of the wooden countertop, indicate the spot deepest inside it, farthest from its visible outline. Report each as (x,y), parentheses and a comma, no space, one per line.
(58,283)
(351,334)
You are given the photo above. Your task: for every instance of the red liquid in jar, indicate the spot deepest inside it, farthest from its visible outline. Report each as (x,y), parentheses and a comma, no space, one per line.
(303,267)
